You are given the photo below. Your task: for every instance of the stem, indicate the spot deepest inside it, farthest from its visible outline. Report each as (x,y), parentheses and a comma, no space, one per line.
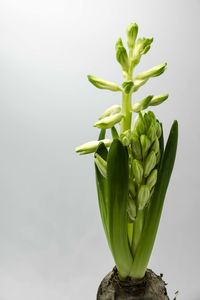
(138,226)
(126,111)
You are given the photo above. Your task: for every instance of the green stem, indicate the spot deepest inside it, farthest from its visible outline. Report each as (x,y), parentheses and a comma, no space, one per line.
(126,111)
(138,226)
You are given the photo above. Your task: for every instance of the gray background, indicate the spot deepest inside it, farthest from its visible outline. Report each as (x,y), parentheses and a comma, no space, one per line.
(52,244)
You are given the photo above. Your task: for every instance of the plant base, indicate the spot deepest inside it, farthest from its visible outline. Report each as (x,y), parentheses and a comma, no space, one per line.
(151,287)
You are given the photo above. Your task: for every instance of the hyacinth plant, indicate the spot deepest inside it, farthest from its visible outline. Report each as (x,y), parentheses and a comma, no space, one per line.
(133,168)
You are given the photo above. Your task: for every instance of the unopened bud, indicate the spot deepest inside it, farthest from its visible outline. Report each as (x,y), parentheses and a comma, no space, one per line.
(149,163)
(103,84)
(143,196)
(101,165)
(142,46)
(158,130)
(136,147)
(137,170)
(156,100)
(142,104)
(110,111)
(109,121)
(131,209)
(139,124)
(152,179)
(151,133)
(153,72)
(156,146)
(122,58)
(92,146)
(125,137)
(138,83)
(132,32)
(145,143)
(132,189)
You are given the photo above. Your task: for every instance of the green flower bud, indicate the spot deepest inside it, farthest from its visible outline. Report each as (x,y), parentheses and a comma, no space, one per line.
(153,72)
(103,84)
(158,155)
(142,104)
(132,32)
(127,85)
(142,46)
(145,143)
(143,196)
(137,171)
(111,111)
(156,100)
(152,179)
(149,163)
(101,164)
(138,84)
(92,146)
(125,137)
(131,209)
(109,121)
(122,58)
(136,147)
(140,125)
(156,146)
(158,130)
(151,132)
(119,43)
(132,189)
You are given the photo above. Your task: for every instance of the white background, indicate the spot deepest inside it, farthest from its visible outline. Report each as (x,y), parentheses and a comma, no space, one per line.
(52,246)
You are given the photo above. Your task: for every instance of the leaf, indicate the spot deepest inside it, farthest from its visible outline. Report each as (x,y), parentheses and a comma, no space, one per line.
(117,193)
(154,213)
(101,190)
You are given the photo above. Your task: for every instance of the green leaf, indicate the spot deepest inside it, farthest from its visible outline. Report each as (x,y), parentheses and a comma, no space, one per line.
(117,193)
(101,190)
(154,213)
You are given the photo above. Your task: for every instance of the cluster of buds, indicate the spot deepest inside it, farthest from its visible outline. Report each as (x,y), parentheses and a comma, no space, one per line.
(144,156)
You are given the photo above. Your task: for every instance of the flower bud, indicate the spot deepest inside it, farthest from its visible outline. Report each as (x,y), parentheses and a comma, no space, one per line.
(156,146)
(110,111)
(142,46)
(132,189)
(152,179)
(153,72)
(109,121)
(143,196)
(101,165)
(103,84)
(131,209)
(139,124)
(127,85)
(145,143)
(136,147)
(142,104)
(119,43)
(158,130)
(151,132)
(137,170)
(122,58)
(132,32)
(149,163)
(125,137)
(138,84)
(156,100)
(92,146)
